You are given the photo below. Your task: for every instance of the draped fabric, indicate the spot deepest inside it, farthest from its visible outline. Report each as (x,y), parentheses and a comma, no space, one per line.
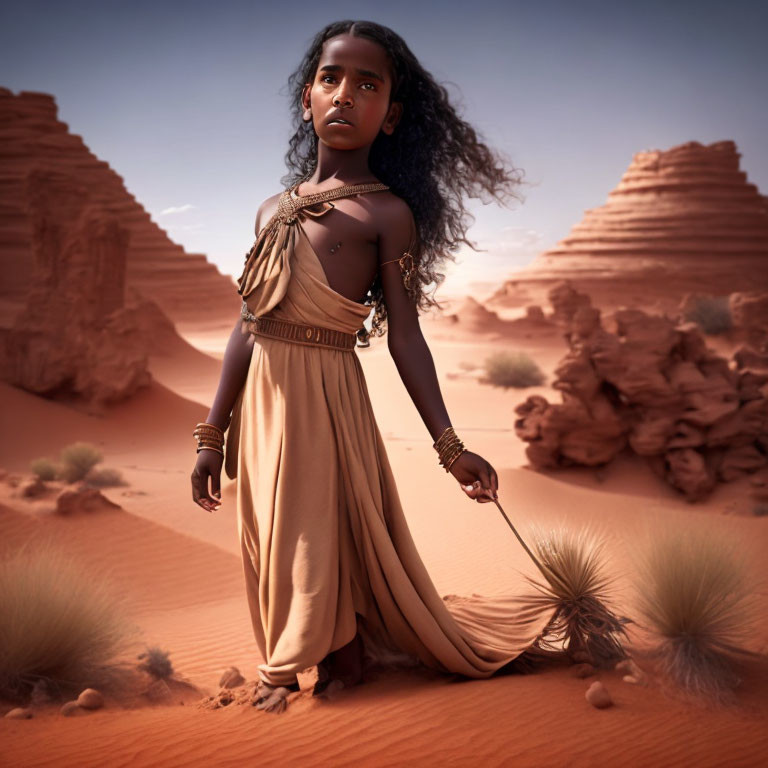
(322,530)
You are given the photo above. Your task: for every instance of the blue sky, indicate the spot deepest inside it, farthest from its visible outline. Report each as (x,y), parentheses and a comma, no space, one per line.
(187,100)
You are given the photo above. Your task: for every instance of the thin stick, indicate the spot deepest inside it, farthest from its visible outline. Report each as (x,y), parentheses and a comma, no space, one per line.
(548,576)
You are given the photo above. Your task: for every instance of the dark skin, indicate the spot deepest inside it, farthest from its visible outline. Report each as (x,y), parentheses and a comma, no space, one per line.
(353,81)
(365,231)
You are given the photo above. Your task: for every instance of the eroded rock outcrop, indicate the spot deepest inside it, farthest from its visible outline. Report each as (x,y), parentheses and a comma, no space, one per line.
(749,314)
(473,318)
(75,337)
(653,386)
(33,139)
(682,219)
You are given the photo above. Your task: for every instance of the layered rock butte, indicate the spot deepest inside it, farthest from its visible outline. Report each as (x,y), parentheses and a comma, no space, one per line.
(32,141)
(684,219)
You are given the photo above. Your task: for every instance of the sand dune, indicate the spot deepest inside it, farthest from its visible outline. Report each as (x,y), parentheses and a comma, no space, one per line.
(180,569)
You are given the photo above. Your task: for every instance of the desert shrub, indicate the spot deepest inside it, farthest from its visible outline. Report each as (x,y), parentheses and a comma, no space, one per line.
(156,662)
(694,593)
(105,477)
(77,460)
(62,625)
(578,591)
(711,313)
(45,469)
(512,369)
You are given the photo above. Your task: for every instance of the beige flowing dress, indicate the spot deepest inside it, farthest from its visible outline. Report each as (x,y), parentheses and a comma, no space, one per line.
(320,522)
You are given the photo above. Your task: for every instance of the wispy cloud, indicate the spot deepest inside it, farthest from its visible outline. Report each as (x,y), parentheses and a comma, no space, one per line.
(176,209)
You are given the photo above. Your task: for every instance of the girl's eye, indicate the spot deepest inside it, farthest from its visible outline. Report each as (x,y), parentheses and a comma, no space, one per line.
(325,78)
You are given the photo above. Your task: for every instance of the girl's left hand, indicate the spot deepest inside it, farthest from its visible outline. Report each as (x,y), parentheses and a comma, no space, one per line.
(476,476)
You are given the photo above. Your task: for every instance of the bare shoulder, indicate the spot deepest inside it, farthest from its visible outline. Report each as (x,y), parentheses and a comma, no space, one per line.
(393,215)
(266,210)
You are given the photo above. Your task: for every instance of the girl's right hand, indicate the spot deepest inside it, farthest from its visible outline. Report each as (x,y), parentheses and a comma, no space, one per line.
(209,463)
(477,478)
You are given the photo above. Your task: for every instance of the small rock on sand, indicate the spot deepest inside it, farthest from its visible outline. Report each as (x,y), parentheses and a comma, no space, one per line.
(19,713)
(33,488)
(90,698)
(72,709)
(70,502)
(597,695)
(231,678)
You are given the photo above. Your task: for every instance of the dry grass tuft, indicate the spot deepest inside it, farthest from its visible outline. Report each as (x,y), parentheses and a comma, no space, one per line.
(157,662)
(694,592)
(512,369)
(579,592)
(77,459)
(44,468)
(62,625)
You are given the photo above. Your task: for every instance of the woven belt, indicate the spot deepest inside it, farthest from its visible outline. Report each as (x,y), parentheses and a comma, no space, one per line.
(312,335)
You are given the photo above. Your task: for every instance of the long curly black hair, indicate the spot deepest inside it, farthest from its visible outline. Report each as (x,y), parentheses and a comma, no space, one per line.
(432,160)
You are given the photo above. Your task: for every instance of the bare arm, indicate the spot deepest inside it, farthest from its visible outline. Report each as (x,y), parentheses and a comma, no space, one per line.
(405,340)
(410,352)
(234,370)
(234,367)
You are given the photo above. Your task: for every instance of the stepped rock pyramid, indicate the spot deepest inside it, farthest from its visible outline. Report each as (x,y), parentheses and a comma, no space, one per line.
(684,219)
(33,142)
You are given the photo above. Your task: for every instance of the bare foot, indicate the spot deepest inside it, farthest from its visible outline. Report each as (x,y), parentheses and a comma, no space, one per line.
(273,698)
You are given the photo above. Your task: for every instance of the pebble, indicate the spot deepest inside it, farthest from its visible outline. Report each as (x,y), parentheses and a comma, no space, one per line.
(231,678)
(19,713)
(597,695)
(72,709)
(90,698)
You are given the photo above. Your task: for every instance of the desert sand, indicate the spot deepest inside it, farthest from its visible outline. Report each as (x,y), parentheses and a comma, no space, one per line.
(179,566)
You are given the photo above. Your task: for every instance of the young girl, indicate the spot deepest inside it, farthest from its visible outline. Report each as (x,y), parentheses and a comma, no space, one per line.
(379,164)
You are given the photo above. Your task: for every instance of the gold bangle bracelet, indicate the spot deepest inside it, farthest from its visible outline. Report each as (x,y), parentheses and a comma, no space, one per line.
(450,455)
(453,460)
(210,448)
(205,428)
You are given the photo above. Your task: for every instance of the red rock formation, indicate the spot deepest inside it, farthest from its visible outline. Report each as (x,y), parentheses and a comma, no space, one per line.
(653,386)
(33,140)
(749,313)
(684,219)
(75,337)
(474,318)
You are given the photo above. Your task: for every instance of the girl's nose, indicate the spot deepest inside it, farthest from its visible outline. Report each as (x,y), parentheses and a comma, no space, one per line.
(342,96)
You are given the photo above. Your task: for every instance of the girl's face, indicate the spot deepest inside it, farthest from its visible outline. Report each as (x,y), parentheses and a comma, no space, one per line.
(353,84)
